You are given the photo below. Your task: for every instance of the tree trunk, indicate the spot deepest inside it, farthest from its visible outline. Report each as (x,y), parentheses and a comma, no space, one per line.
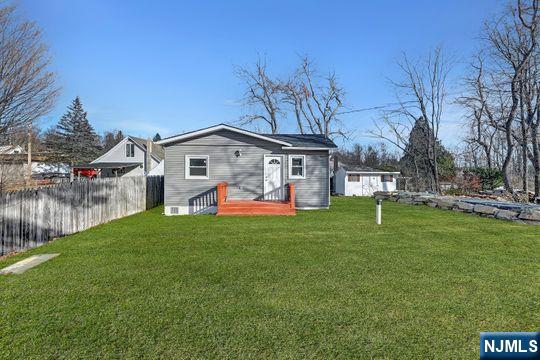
(524,160)
(536,159)
(508,157)
(524,149)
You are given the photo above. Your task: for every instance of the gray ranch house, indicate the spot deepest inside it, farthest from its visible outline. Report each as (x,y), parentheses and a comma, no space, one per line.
(255,172)
(132,156)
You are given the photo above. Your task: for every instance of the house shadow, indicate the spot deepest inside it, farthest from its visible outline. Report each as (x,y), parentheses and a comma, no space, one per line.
(204,203)
(280,194)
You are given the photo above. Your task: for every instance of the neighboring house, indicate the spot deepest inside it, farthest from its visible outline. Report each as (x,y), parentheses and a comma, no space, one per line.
(129,158)
(255,166)
(11,150)
(363,181)
(158,170)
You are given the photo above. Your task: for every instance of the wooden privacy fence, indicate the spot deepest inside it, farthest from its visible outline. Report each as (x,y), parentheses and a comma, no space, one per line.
(29,218)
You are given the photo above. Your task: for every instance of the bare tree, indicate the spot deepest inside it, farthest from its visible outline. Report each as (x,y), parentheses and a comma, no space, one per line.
(530,120)
(481,132)
(27,87)
(263,94)
(314,101)
(512,42)
(397,134)
(317,101)
(420,94)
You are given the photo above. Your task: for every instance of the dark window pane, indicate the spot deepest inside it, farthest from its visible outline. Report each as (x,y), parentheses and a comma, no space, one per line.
(197,162)
(297,171)
(296,161)
(194,171)
(387,178)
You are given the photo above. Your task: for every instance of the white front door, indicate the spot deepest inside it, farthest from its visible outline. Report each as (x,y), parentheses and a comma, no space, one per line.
(273,178)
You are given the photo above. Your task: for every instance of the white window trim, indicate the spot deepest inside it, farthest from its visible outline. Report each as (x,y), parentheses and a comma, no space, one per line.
(303,176)
(186,168)
(131,146)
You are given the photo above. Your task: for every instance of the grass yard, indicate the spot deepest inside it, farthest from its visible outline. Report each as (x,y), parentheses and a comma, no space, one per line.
(319,285)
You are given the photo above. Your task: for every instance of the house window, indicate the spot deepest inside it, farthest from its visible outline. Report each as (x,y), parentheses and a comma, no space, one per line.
(196,167)
(353,178)
(297,166)
(130,150)
(387,178)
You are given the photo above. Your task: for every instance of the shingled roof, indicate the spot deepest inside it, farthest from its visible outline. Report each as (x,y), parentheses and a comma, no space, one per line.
(363,169)
(314,141)
(305,140)
(157,150)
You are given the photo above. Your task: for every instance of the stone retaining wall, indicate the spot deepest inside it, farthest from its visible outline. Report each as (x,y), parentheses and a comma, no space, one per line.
(521,213)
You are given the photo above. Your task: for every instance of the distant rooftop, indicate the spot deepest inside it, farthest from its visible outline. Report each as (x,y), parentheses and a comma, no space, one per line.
(361,168)
(157,150)
(11,149)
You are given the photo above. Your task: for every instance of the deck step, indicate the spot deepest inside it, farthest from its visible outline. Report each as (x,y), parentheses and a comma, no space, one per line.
(252,211)
(247,203)
(255,207)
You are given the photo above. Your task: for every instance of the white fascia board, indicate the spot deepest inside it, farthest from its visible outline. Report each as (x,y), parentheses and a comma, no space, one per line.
(305,148)
(217,128)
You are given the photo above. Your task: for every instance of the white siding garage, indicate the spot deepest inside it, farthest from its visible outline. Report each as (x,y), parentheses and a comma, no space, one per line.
(363,182)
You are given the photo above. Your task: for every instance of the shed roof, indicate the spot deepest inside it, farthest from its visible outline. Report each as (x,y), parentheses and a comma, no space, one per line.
(365,169)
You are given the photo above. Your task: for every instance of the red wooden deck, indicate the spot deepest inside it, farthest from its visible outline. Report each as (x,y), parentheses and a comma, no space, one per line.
(253,207)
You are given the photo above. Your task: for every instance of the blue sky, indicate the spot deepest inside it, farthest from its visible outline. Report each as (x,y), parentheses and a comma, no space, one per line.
(167,66)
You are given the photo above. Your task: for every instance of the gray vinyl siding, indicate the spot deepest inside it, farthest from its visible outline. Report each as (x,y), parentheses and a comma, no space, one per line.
(314,190)
(119,154)
(244,174)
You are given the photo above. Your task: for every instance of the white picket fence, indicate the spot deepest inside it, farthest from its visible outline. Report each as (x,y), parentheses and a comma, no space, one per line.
(29,218)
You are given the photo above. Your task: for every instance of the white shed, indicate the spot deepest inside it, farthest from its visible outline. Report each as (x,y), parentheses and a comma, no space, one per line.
(363,181)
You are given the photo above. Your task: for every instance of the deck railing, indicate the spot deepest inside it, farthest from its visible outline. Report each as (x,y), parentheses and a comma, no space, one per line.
(291,195)
(221,193)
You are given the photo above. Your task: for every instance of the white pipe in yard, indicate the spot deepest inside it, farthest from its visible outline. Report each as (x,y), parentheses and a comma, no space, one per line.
(378,212)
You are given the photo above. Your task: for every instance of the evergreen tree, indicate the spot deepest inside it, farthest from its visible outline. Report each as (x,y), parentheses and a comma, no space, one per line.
(415,162)
(110,139)
(157,137)
(74,139)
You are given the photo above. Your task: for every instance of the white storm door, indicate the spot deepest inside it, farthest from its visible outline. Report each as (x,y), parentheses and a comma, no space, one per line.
(372,185)
(273,178)
(365,185)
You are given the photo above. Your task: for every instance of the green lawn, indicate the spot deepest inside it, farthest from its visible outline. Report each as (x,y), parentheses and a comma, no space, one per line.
(322,284)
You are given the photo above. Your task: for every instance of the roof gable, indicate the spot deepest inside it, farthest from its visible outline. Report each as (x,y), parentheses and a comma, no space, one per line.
(286,140)
(157,151)
(212,129)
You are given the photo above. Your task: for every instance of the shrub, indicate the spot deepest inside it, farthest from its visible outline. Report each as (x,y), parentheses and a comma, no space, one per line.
(489,178)
(454,192)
